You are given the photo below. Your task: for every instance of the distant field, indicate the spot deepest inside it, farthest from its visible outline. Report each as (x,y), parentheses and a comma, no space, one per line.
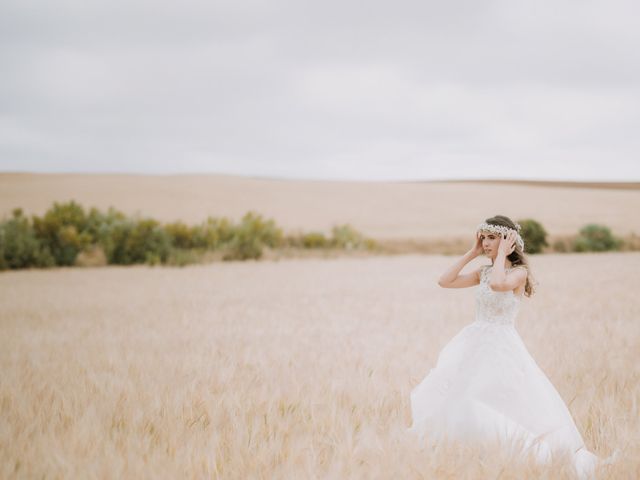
(401,211)
(290,369)
(559,184)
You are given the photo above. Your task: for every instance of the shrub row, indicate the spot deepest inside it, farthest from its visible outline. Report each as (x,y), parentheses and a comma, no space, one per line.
(590,238)
(66,231)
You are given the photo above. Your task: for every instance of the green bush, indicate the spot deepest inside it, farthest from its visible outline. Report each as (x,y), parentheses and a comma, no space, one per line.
(63,230)
(251,235)
(266,231)
(213,233)
(148,242)
(67,235)
(98,222)
(294,240)
(345,236)
(19,245)
(534,235)
(135,241)
(109,230)
(181,234)
(243,247)
(246,242)
(113,238)
(314,240)
(596,238)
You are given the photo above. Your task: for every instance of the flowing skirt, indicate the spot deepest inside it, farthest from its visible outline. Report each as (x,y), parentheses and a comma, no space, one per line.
(486,387)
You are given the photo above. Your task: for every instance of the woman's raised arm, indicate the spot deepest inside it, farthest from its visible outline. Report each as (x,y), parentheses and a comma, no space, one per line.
(452,278)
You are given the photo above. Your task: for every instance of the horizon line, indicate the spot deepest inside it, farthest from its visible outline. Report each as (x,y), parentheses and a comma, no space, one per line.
(565,181)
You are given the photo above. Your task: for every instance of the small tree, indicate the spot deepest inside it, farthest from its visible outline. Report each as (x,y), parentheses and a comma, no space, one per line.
(596,238)
(534,235)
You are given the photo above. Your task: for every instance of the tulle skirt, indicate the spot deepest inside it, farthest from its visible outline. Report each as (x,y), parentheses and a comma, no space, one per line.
(486,387)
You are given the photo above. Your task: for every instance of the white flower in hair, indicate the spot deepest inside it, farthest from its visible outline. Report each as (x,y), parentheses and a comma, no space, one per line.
(502,229)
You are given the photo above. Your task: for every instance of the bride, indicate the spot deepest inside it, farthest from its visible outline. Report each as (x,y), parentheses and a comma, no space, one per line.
(485,385)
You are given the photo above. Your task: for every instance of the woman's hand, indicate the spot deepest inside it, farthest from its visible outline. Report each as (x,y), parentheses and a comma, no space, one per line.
(507,243)
(477,249)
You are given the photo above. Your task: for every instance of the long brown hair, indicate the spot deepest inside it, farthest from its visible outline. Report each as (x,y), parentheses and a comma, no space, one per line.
(517,257)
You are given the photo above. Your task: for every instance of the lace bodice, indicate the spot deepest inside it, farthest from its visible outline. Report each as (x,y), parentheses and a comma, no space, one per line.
(492,306)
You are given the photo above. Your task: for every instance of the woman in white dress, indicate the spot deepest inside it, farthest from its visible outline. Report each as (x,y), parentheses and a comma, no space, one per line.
(485,385)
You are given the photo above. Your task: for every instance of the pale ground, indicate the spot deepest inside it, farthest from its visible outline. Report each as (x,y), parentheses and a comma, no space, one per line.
(427,210)
(290,369)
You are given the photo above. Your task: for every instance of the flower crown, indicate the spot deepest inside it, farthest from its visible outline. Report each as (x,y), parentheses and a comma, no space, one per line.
(502,229)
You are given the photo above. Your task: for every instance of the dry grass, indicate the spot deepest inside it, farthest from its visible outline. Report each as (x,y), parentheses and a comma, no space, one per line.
(289,369)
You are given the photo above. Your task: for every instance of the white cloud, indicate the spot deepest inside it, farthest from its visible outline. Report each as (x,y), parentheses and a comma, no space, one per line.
(332,89)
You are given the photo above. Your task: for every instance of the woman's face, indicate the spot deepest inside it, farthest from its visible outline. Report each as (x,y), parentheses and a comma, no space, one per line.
(490,242)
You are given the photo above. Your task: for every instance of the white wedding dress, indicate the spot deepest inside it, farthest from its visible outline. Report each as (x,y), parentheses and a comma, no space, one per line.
(486,386)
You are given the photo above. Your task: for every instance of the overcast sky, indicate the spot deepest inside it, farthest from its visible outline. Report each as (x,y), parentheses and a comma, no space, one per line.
(328,89)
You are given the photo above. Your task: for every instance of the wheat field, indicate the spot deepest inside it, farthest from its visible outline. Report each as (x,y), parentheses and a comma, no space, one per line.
(291,368)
